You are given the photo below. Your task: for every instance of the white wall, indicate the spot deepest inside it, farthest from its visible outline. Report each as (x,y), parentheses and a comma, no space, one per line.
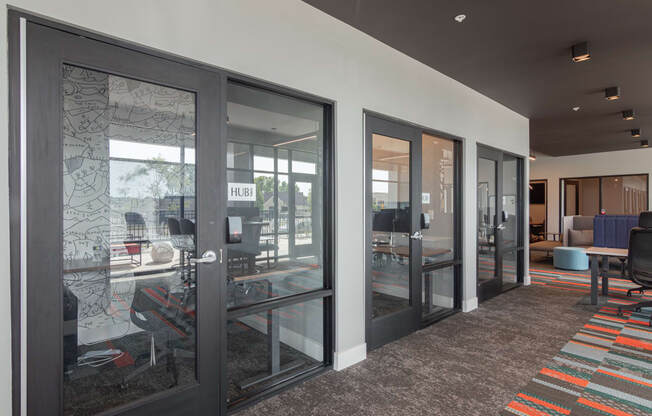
(594,164)
(290,43)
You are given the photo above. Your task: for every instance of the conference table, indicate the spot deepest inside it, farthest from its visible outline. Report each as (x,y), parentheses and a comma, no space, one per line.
(595,253)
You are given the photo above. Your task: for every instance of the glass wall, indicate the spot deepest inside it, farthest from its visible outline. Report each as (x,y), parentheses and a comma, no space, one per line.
(275,178)
(617,195)
(391,225)
(437,223)
(486,219)
(128,210)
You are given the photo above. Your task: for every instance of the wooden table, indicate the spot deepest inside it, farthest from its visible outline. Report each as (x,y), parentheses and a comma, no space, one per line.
(594,254)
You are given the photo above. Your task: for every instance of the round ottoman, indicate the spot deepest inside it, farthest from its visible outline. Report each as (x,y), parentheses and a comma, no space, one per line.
(162,252)
(571,258)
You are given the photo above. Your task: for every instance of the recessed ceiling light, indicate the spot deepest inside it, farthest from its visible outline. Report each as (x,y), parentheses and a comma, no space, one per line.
(628,115)
(460,18)
(612,93)
(636,132)
(644,143)
(580,52)
(576,108)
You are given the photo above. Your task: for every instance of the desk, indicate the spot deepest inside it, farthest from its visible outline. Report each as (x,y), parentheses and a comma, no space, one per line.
(594,254)
(273,330)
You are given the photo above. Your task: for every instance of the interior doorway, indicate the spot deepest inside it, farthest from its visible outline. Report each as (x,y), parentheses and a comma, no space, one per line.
(413,239)
(500,222)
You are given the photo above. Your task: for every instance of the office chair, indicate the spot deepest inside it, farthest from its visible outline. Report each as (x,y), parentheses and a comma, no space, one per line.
(166,321)
(187,227)
(174,228)
(136,226)
(640,260)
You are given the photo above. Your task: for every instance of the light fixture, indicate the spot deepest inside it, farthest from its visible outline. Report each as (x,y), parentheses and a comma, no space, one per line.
(460,18)
(384,159)
(612,93)
(296,140)
(580,52)
(644,143)
(532,156)
(628,115)
(636,132)
(576,108)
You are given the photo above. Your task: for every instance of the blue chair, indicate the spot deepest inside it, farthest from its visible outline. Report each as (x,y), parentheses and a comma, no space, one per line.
(570,258)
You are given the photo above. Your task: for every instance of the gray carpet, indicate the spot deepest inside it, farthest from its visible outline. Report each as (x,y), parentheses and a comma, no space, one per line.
(468,364)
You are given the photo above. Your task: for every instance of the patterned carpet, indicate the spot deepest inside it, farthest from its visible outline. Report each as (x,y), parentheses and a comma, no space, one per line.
(605,369)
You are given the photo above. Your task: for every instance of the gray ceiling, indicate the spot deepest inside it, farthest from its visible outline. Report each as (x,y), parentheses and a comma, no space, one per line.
(518,53)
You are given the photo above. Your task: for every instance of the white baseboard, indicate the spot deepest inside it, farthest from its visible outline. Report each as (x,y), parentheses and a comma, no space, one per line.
(469,305)
(527,280)
(346,358)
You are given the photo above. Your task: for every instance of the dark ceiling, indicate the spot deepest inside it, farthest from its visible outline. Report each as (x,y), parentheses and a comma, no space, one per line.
(518,53)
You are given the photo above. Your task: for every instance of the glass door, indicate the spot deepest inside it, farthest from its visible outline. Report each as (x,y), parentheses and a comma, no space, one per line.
(393,232)
(499,216)
(123,241)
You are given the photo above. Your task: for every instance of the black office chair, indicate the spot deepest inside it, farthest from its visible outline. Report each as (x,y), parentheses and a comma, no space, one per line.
(156,311)
(640,260)
(187,227)
(174,228)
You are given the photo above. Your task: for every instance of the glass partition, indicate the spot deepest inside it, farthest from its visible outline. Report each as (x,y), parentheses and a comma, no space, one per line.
(128,231)
(391,225)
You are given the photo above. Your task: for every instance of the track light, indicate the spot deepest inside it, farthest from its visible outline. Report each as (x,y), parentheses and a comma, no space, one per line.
(628,115)
(612,93)
(581,52)
(644,144)
(636,132)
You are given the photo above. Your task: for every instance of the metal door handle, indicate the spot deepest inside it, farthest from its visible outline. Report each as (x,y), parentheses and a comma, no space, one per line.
(417,235)
(208,257)
(500,227)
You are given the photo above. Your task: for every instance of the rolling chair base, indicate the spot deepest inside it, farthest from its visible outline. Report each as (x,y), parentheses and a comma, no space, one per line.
(636,289)
(635,307)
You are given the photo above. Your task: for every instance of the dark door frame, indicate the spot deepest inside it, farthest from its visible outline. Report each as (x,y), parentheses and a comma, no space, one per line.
(222,77)
(495,286)
(393,326)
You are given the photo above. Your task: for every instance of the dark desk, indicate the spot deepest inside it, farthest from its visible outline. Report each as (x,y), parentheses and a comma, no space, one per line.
(274,367)
(594,254)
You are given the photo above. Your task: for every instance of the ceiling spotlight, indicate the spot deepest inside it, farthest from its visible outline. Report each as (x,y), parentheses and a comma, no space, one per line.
(612,93)
(460,18)
(644,143)
(628,115)
(636,132)
(576,108)
(581,52)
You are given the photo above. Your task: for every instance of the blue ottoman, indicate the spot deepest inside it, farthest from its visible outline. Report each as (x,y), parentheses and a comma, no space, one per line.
(571,258)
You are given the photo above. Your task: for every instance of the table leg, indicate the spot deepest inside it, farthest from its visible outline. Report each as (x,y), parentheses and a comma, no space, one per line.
(605,276)
(594,279)
(428,289)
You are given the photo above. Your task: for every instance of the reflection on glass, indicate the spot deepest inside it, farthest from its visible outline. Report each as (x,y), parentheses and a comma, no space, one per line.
(265,347)
(391,225)
(437,199)
(281,237)
(510,198)
(624,195)
(510,271)
(438,290)
(486,219)
(280,142)
(128,212)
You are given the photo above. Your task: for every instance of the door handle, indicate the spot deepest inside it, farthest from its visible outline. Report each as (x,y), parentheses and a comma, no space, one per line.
(208,257)
(500,227)
(417,235)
